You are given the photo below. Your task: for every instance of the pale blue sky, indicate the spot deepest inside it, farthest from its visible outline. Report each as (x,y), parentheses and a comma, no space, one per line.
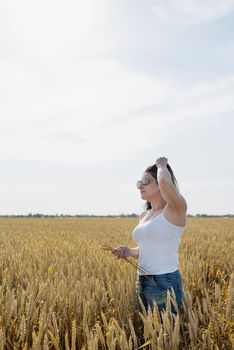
(92,92)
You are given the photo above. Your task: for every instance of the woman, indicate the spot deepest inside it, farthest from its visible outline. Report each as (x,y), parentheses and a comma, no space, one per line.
(158,236)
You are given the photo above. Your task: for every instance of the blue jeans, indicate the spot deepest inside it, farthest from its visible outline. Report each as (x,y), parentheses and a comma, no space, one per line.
(154,288)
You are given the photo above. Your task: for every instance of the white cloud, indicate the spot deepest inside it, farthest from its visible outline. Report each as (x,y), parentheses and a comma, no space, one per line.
(187,12)
(73,94)
(89,95)
(211,184)
(91,108)
(209,97)
(209,196)
(48,23)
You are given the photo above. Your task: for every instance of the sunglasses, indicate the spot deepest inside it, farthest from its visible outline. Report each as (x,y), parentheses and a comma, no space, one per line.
(145,181)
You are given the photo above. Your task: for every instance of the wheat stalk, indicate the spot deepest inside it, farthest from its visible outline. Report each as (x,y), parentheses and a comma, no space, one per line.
(106,246)
(74,290)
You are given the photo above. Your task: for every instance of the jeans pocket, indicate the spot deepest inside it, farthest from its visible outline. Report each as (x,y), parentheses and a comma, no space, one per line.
(162,282)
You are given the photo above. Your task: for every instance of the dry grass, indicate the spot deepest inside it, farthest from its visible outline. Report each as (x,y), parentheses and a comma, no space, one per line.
(59,290)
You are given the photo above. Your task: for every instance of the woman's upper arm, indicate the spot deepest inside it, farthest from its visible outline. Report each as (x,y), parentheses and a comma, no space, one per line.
(172,196)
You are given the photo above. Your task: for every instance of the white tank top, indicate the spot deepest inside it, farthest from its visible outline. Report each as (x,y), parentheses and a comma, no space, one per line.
(158,241)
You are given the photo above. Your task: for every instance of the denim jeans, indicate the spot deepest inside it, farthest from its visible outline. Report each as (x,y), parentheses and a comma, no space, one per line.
(154,288)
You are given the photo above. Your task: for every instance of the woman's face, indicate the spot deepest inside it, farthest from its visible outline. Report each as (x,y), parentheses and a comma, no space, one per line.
(148,191)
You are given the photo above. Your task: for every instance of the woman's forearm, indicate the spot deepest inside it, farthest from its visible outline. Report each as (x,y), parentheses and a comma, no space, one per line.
(134,252)
(163,175)
(124,252)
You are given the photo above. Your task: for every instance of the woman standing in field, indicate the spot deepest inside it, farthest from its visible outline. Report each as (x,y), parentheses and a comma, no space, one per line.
(158,236)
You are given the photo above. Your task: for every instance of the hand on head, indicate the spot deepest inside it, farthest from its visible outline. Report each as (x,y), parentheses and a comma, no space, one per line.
(161,162)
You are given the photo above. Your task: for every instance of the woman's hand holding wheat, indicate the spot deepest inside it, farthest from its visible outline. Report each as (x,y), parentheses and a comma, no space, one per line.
(121,252)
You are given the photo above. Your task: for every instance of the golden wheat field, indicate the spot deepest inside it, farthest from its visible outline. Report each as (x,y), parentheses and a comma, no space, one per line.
(59,290)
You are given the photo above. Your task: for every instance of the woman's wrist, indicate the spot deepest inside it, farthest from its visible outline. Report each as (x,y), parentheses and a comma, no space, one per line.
(134,252)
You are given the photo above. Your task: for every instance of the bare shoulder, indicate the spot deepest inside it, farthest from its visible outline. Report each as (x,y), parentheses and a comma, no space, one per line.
(185,203)
(173,197)
(181,206)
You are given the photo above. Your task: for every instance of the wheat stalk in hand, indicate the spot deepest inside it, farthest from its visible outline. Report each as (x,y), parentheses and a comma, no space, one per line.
(106,246)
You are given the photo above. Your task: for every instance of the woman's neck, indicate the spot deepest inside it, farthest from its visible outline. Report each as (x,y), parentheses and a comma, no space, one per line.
(157,206)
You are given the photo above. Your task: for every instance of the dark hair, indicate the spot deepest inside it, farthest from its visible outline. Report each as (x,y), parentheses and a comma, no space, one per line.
(153,170)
